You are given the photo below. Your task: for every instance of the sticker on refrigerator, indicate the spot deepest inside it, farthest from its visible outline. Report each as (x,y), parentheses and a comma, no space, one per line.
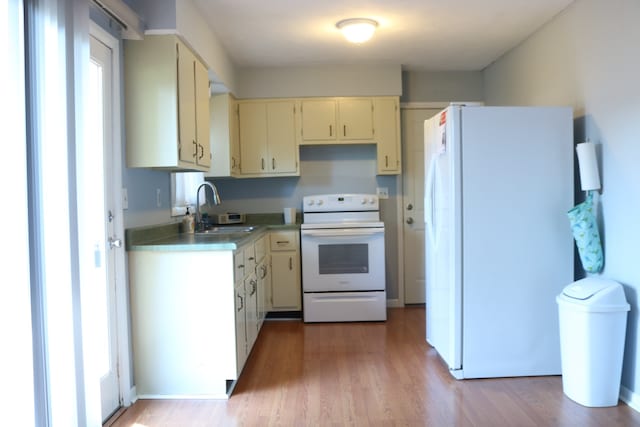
(443,141)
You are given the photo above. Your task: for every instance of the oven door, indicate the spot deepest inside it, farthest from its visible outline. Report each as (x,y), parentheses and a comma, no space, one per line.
(345,259)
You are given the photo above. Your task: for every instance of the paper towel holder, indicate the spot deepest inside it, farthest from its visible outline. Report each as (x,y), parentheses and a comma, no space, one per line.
(588,166)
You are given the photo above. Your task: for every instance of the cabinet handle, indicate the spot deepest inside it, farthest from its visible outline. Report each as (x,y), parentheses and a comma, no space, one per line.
(201,151)
(273,163)
(241,302)
(290,263)
(254,287)
(262,160)
(233,163)
(195,151)
(263,271)
(344,130)
(282,242)
(386,161)
(240,266)
(330,130)
(251,258)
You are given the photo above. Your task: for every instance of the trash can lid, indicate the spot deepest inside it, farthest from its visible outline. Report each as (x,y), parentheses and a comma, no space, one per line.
(595,294)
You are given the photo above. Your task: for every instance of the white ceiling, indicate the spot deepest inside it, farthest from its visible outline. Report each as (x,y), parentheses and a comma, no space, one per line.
(418,34)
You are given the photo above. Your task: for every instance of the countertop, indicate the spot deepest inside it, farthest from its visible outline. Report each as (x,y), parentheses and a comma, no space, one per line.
(168,237)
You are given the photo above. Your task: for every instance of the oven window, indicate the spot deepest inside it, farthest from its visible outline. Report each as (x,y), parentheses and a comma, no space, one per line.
(344,259)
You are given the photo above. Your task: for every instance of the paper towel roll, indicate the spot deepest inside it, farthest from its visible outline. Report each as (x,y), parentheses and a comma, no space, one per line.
(588,163)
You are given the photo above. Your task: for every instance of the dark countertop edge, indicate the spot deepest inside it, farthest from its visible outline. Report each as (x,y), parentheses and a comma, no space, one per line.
(168,237)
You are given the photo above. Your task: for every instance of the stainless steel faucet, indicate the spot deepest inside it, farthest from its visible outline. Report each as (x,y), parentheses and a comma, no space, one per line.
(216,201)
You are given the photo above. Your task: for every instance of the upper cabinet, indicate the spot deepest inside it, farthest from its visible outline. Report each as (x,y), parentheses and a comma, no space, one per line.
(166,105)
(328,120)
(225,150)
(267,138)
(387,135)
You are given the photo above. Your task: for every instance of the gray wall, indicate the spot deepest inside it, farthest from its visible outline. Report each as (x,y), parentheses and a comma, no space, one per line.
(351,80)
(588,58)
(436,86)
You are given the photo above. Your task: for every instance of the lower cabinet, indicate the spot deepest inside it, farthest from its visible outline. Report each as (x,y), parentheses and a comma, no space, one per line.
(195,316)
(285,271)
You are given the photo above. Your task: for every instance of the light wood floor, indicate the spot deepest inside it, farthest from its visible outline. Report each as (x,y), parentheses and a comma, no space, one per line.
(370,374)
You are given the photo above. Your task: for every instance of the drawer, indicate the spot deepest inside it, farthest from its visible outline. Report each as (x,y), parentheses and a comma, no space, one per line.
(284,240)
(249,259)
(238,265)
(261,247)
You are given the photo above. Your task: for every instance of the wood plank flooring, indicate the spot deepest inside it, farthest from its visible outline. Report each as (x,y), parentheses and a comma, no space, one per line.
(370,374)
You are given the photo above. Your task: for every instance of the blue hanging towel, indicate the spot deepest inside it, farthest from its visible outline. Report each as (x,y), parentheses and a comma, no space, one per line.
(585,232)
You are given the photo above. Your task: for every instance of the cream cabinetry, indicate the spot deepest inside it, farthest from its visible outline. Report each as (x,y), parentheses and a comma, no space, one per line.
(387,131)
(336,120)
(195,316)
(166,105)
(285,271)
(267,138)
(225,150)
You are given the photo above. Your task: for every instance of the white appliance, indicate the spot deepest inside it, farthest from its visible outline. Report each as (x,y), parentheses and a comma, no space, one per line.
(343,264)
(499,246)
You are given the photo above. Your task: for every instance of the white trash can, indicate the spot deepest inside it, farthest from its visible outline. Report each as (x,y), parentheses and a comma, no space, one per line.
(593,321)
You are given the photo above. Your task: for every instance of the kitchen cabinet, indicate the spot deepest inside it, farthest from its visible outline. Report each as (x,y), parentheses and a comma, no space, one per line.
(225,149)
(263,273)
(387,135)
(166,105)
(267,138)
(285,271)
(194,319)
(337,120)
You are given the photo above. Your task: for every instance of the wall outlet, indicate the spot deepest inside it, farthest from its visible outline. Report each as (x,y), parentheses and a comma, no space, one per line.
(382,192)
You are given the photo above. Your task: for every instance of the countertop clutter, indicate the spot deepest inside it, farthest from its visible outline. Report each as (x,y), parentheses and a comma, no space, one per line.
(169,237)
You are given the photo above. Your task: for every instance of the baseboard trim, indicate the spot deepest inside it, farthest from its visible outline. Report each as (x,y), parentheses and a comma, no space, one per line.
(630,398)
(133,396)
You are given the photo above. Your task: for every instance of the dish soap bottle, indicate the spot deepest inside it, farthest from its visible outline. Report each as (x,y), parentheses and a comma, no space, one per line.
(188,222)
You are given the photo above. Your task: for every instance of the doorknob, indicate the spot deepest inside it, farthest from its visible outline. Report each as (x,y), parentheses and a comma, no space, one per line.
(409,206)
(409,220)
(115,243)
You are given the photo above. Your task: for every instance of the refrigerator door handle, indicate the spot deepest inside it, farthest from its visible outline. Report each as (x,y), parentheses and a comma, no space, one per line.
(429,200)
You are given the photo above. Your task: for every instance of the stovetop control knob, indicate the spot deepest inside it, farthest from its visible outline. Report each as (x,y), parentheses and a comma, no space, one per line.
(310,202)
(364,201)
(319,202)
(372,201)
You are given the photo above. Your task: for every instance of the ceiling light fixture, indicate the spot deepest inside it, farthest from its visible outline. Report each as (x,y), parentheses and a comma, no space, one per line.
(357,30)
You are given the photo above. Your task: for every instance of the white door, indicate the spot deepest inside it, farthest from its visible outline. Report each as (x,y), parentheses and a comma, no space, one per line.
(100,222)
(413,181)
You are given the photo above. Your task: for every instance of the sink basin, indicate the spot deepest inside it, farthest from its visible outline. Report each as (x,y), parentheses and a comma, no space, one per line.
(227,229)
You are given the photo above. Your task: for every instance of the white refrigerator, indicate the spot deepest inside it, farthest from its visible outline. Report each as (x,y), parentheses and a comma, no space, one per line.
(499,247)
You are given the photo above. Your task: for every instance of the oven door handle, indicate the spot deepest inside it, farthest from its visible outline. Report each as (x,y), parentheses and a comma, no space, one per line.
(343,232)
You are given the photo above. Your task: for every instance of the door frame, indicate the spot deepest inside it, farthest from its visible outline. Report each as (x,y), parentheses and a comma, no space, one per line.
(400,201)
(126,389)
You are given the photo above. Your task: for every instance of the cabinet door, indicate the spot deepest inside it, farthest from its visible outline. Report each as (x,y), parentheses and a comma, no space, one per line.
(187,104)
(202,123)
(263,271)
(356,118)
(252,118)
(234,138)
(241,327)
(285,281)
(251,313)
(319,120)
(281,137)
(387,135)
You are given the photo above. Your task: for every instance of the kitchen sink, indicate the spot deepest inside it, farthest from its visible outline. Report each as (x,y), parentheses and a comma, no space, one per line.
(227,229)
